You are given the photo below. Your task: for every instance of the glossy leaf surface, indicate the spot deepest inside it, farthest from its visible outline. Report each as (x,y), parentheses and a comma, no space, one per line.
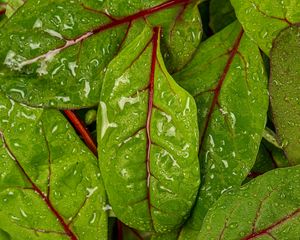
(264,19)
(221,14)
(50,185)
(265,208)
(147,136)
(228,81)
(285,91)
(57,55)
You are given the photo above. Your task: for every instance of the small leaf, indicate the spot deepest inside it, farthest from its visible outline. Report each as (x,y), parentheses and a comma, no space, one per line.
(147,136)
(264,19)
(265,208)
(221,14)
(228,81)
(57,55)
(50,183)
(284,91)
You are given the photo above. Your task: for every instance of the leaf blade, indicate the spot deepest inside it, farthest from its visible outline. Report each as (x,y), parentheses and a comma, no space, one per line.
(141,141)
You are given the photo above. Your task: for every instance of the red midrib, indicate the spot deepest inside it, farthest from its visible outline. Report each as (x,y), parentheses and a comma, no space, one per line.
(82,130)
(65,226)
(149,114)
(140,14)
(271,227)
(218,88)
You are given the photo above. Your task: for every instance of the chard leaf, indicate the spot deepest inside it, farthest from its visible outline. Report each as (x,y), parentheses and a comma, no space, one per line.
(221,14)
(148,139)
(264,19)
(284,91)
(57,55)
(265,208)
(228,81)
(50,185)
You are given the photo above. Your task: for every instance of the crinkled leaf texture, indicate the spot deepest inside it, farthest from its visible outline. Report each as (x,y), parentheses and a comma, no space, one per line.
(148,139)
(285,91)
(265,208)
(229,83)
(264,19)
(50,184)
(55,53)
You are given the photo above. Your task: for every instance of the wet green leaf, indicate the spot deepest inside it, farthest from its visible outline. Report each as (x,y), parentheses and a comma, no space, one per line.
(228,81)
(148,139)
(56,53)
(264,19)
(221,14)
(265,208)
(285,91)
(46,192)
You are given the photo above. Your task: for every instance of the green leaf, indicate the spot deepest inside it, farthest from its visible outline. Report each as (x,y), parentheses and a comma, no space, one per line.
(50,185)
(56,53)
(265,208)
(277,155)
(228,81)
(284,91)
(264,19)
(221,14)
(147,136)
(13,6)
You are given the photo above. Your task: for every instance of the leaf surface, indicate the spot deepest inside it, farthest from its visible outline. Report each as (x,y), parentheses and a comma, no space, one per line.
(265,208)
(264,19)
(57,55)
(228,81)
(147,136)
(50,183)
(285,90)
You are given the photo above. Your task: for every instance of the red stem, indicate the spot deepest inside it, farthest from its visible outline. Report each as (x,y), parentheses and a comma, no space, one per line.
(120,230)
(82,130)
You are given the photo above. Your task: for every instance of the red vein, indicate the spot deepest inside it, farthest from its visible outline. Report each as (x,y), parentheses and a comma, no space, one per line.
(80,127)
(217,90)
(101,28)
(2,11)
(266,231)
(257,215)
(269,16)
(62,222)
(150,108)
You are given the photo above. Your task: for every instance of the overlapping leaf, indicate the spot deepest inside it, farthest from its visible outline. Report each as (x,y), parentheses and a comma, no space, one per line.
(264,19)
(265,208)
(57,55)
(228,81)
(50,184)
(285,90)
(221,14)
(148,139)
